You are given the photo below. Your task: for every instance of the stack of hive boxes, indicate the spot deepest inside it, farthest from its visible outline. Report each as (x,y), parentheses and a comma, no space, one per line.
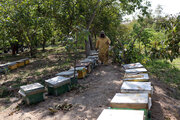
(58,85)
(134,100)
(32,93)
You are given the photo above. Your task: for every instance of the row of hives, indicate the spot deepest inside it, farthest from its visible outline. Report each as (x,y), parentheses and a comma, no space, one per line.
(133,102)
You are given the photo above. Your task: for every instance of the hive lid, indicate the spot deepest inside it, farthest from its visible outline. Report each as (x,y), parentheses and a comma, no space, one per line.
(83,64)
(134,75)
(130,98)
(93,57)
(136,86)
(139,77)
(87,60)
(111,114)
(11,63)
(32,87)
(67,74)
(136,70)
(57,81)
(93,52)
(132,65)
(22,60)
(77,68)
(3,65)
(25,59)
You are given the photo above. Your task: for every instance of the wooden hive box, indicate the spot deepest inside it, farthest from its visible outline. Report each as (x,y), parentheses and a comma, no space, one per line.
(95,57)
(81,72)
(58,85)
(92,61)
(136,87)
(69,74)
(20,63)
(132,66)
(112,114)
(136,70)
(32,93)
(142,77)
(93,52)
(130,100)
(12,65)
(26,61)
(88,65)
(3,68)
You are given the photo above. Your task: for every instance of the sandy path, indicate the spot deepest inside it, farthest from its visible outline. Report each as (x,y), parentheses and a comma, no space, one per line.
(100,86)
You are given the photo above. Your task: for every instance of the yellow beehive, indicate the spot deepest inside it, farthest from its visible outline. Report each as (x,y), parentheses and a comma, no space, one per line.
(26,61)
(88,66)
(12,65)
(81,72)
(20,63)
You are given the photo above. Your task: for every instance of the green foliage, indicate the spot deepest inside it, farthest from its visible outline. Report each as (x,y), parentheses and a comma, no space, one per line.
(35,22)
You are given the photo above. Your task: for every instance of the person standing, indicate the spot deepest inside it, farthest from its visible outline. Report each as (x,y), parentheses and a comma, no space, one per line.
(102,44)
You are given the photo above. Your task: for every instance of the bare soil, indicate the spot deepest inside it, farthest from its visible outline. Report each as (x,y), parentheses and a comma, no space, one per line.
(88,101)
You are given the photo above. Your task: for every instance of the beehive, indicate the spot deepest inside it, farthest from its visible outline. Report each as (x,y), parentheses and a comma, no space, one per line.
(136,70)
(3,68)
(32,93)
(69,74)
(88,65)
(96,58)
(26,61)
(93,52)
(143,77)
(130,100)
(12,65)
(20,63)
(136,87)
(132,66)
(112,114)
(92,61)
(81,72)
(58,85)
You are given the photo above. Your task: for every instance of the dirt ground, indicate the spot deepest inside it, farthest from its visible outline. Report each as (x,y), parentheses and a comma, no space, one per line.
(89,101)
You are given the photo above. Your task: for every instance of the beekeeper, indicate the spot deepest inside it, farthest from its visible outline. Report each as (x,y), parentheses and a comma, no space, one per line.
(102,44)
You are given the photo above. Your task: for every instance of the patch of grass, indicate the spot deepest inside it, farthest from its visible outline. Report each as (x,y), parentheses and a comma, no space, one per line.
(166,71)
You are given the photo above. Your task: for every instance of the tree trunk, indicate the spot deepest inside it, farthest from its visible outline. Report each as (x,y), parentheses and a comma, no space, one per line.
(13,48)
(44,44)
(90,42)
(87,42)
(17,48)
(87,47)
(53,42)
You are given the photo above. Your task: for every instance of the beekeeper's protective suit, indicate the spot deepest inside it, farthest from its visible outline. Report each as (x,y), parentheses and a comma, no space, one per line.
(102,44)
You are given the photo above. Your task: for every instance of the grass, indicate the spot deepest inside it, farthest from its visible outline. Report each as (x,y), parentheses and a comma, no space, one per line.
(166,72)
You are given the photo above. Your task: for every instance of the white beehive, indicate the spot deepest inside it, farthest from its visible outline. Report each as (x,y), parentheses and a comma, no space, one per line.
(136,70)
(111,114)
(136,87)
(68,74)
(132,65)
(57,81)
(32,88)
(143,77)
(130,100)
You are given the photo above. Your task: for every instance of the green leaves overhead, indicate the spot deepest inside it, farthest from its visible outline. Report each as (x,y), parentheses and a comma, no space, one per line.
(36,22)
